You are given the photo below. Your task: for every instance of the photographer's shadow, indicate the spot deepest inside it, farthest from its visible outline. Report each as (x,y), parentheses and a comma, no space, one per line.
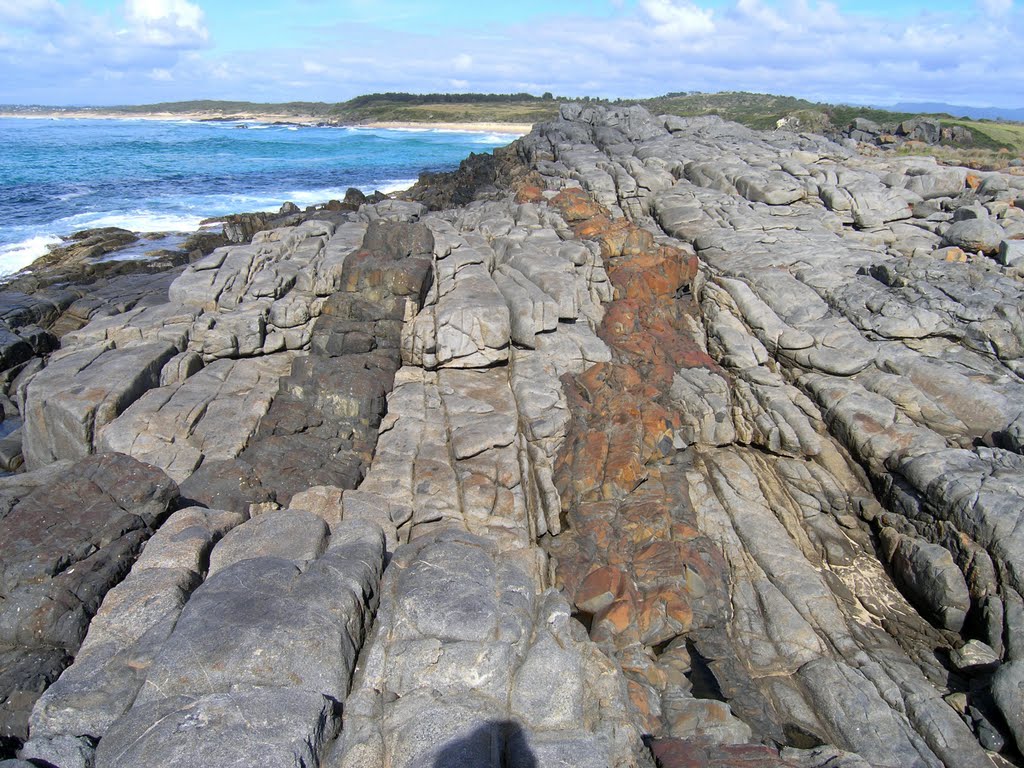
(495,744)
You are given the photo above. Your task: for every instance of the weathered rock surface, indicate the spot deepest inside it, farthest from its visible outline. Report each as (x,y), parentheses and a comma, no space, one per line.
(671,429)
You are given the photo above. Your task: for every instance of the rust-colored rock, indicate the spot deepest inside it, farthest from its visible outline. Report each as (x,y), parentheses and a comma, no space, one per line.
(576,205)
(679,753)
(529,193)
(632,560)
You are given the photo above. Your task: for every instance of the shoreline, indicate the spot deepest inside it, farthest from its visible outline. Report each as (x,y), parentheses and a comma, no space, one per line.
(477,127)
(520,129)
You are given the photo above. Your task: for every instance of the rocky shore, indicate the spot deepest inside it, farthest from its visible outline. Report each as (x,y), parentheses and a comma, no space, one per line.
(645,441)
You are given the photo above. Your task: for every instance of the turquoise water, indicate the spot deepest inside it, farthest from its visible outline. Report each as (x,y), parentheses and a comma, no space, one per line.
(61,176)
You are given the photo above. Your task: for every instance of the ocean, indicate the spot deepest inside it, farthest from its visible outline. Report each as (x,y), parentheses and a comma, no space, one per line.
(59,176)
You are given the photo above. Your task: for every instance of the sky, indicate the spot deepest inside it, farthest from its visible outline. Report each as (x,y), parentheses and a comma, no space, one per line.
(107,52)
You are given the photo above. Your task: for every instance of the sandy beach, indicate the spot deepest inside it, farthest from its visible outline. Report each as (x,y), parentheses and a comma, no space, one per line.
(520,129)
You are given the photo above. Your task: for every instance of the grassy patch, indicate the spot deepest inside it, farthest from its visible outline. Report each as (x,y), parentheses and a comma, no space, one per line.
(513,112)
(993,135)
(762,111)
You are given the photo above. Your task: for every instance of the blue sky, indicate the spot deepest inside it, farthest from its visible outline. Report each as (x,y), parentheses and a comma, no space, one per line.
(101,52)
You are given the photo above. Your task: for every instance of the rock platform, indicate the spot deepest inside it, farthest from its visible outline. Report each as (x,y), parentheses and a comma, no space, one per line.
(671,444)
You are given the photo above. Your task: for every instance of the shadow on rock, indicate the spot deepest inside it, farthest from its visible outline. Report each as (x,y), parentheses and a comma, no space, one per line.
(495,744)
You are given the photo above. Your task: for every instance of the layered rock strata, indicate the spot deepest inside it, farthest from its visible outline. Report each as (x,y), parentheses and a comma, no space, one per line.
(697,446)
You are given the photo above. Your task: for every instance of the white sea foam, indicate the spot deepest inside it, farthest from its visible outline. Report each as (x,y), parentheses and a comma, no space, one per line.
(19,255)
(302,197)
(80,190)
(497,139)
(138,220)
(387,187)
(314,196)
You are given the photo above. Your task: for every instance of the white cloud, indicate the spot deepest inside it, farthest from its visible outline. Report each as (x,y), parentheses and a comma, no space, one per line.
(808,48)
(173,23)
(163,75)
(996,7)
(678,18)
(756,12)
(37,14)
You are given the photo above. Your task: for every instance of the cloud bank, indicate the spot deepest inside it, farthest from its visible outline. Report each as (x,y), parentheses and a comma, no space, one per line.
(152,50)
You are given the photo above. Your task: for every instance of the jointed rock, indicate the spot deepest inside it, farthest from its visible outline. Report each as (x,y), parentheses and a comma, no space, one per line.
(672,444)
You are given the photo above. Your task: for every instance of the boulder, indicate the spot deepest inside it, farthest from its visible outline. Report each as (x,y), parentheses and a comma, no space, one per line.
(1011,253)
(975,235)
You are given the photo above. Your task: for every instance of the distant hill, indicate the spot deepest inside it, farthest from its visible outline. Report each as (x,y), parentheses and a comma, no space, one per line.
(374,107)
(757,110)
(956,110)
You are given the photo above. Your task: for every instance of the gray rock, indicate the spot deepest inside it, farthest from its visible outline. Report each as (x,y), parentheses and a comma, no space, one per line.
(469,325)
(975,235)
(827,373)
(1011,253)
(865,125)
(264,622)
(208,416)
(73,397)
(928,575)
(973,211)
(294,535)
(66,543)
(838,692)
(940,182)
(133,622)
(974,656)
(1008,692)
(246,727)
(65,751)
